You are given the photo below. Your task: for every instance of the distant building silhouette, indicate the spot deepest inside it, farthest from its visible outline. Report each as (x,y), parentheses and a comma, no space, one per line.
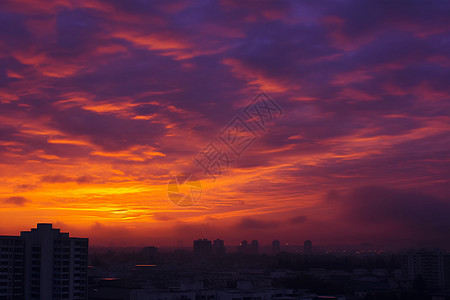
(202,248)
(242,248)
(218,247)
(276,246)
(43,264)
(307,247)
(245,248)
(433,266)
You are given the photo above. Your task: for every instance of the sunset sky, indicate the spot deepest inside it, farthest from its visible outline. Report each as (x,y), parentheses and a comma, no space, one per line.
(102,102)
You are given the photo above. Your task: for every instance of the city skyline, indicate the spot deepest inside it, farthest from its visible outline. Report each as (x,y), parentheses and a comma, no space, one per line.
(45,263)
(216,245)
(105,105)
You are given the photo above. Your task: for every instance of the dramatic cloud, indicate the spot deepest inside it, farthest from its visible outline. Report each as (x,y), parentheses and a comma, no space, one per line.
(102,102)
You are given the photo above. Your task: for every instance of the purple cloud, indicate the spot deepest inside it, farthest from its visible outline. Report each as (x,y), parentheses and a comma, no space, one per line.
(16,200)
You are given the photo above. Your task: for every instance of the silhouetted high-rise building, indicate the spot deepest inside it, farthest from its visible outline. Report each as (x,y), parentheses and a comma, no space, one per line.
(307,247)
(202,247)
(43,264)
(432,266)
(12,258)
(276,246)
(218,247)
